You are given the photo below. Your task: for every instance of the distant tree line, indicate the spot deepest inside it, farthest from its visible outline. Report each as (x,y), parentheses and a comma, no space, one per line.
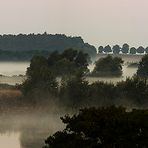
(24,46)
(6,55)
(125,49)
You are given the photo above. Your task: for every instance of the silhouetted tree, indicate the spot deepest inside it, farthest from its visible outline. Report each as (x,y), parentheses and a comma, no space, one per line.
(133,50)
(107,49)
(110,127)
(74,90)
(140,49)
(146,49)
(23,43)
(100,49)
(116,49)
(143,67)
(39,78)
(108,66)
(125,48)
(68,62)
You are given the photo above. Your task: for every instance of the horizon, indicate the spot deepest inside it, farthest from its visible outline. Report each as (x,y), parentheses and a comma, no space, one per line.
(98,22)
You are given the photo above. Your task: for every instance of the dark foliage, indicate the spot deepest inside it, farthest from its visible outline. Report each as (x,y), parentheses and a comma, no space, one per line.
(40,79)
(125,48)
(133,50)
(107,49)
(116,49)
(23,47)
(74,91)
(109,127)
(140,49)
(108,66)
(143,67)
(133,89)
(68,62)
(146,49)
(100,49)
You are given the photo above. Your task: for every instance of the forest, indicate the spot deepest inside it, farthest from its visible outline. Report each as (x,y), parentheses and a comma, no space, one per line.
(24,46)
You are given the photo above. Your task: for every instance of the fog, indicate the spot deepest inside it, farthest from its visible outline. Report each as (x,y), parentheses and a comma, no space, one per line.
(28,130)
(29,126)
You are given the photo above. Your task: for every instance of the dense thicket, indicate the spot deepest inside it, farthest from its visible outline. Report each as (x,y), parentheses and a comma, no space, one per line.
(109,127)
(68,62)
(42,72)
(22,46)
(143,67)
(108,66)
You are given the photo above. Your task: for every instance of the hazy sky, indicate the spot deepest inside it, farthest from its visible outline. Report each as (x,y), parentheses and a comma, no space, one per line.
(99,22)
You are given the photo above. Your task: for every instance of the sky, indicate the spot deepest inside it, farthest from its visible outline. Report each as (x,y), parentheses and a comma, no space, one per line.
(99,22)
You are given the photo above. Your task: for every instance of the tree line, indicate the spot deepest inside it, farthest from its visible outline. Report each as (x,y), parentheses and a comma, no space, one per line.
(24,46)
(125,49)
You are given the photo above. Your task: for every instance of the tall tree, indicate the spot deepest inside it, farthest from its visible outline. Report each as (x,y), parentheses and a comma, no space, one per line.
(143,67)
(140,50)
(108,66)
(100,49)
(107,49)
(39,78)
(146,49)
(125,48)
(116,49)
(133,50)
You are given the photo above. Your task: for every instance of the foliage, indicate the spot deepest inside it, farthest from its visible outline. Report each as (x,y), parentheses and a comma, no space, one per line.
(146,49)
(42,74)
(108,66)
(110,127)
(39,78)
(140,49)
(107,49)
(143,67)
(116,49)
(100,49)
(74,91)
(15,44)
(133,89)
(133,50)
(125,48)
(102,93)
(68,62)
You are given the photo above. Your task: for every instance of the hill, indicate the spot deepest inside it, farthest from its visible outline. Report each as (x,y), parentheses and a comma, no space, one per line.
(24,46)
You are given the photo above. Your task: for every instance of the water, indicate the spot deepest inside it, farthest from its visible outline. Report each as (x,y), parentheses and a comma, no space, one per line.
(27,130)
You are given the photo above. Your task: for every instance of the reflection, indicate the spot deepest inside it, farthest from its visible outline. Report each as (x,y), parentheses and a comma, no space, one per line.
(27,130)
